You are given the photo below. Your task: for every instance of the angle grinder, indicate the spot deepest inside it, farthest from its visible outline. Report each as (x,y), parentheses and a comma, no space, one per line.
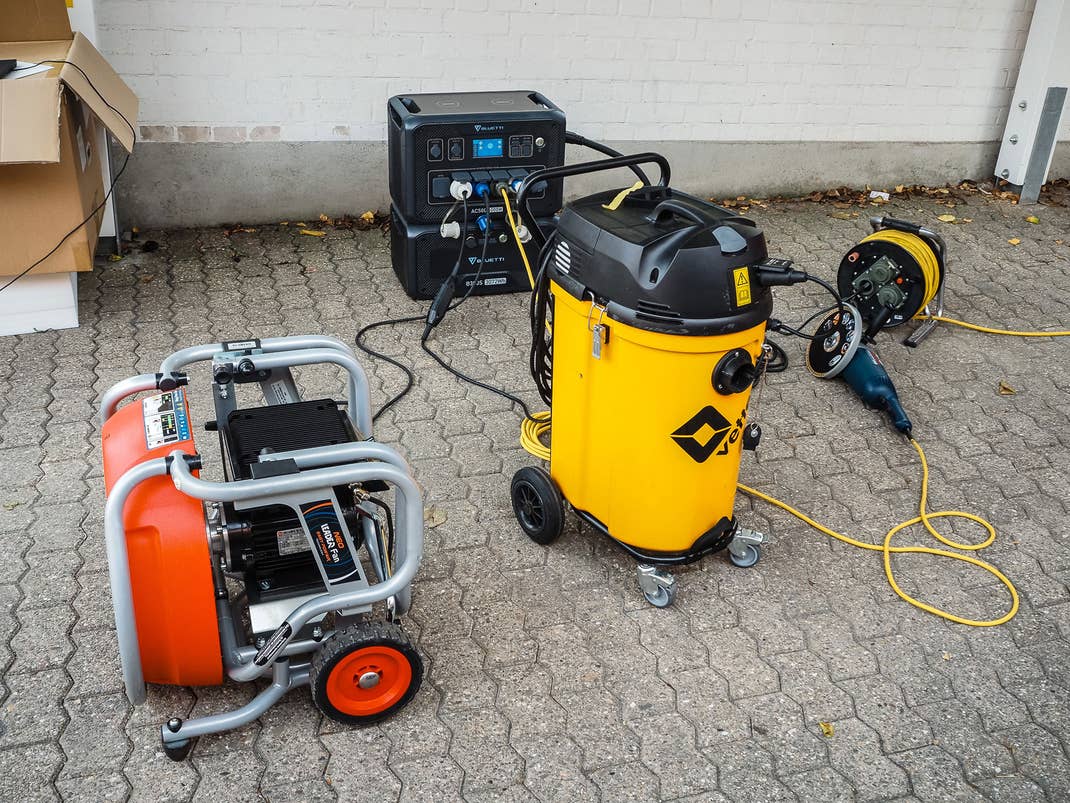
(838,349)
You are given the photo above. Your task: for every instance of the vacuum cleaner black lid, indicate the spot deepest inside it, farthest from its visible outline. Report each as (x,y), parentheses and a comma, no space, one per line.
(663,261)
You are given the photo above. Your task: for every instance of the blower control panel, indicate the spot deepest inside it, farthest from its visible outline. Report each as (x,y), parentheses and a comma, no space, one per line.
(481,137)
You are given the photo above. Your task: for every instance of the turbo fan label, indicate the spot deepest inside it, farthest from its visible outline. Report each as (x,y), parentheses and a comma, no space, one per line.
(333,549)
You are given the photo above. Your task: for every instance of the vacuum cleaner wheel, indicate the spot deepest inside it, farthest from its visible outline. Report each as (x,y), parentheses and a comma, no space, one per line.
(537,504)
(749,557)
(365,673)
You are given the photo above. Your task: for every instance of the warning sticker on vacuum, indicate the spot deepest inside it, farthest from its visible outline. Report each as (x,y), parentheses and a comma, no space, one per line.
(741,280)
(292,541)
(165,419)
(334,552)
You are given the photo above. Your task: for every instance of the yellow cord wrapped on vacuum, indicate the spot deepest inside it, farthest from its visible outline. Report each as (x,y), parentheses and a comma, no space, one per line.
(532,431)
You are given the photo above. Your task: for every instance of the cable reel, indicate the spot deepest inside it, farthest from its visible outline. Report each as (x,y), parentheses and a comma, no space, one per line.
(894,274)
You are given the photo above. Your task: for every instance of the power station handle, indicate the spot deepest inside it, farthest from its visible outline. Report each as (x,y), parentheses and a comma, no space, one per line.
(674,206)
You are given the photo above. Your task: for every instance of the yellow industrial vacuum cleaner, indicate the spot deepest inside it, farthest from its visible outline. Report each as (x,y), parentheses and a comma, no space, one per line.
(648,319)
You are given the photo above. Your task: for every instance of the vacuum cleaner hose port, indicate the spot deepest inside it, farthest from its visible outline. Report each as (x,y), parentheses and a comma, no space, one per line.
(735,372)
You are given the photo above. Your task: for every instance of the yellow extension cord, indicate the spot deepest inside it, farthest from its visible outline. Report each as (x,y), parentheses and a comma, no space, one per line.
(923,517)
(989,330)
(516,237)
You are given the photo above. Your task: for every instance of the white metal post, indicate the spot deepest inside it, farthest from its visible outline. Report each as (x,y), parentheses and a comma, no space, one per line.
(82,14)
(1038,102)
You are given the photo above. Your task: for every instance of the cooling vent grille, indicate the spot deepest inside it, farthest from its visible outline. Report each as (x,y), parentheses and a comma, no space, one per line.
(563,257)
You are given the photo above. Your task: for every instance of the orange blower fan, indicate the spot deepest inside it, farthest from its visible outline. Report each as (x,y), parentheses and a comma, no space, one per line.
(276,570)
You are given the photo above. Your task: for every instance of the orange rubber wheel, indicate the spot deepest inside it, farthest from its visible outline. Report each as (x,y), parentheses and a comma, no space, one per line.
(365,673)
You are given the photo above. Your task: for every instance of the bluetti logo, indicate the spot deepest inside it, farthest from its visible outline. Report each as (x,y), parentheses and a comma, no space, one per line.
(487,261)
(481,127)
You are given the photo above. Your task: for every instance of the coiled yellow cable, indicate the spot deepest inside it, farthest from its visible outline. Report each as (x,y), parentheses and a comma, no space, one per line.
(922,253)
(924,517)
(531,433)
(919,251)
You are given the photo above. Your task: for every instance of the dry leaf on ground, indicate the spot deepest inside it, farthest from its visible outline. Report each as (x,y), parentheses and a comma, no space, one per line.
(434,516)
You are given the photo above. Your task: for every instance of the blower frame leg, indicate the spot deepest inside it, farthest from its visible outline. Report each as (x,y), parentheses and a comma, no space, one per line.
(178,735)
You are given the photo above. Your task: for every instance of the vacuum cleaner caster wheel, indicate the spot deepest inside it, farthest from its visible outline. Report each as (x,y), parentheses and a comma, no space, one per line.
(657,585)
(747,559)
(744,548)
(537,504)
(178,751)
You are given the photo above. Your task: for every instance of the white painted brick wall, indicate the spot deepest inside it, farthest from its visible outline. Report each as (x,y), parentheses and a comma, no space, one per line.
(767,70)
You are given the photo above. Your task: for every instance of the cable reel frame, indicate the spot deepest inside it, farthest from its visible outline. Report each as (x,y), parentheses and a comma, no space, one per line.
(917,256)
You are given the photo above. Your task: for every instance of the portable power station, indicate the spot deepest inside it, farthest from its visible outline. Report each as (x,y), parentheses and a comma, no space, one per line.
(658,320)
(434,139)
(485,140)
(423,259)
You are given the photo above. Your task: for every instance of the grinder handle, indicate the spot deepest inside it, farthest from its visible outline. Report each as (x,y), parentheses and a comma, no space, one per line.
(899,416)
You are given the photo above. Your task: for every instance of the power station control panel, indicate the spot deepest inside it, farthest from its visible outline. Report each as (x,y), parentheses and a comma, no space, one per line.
(490,137)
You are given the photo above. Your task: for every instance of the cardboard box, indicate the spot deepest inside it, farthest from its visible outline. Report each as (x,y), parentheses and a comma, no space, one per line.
(50,174)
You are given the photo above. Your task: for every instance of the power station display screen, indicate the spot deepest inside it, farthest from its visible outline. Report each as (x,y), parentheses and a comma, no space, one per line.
(487,148)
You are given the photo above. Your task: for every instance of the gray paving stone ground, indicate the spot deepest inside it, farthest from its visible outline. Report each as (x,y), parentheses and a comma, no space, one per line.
(548,676)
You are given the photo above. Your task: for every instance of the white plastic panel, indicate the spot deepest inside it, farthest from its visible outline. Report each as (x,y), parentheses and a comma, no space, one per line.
(1045,64)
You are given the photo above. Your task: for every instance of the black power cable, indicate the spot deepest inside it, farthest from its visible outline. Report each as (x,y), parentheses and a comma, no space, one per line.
(410,379)
(479,270)
(473,381)
(572,138)
(114,181)
(540,355)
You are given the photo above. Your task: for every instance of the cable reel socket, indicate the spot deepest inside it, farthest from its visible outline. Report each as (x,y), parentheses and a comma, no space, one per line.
(893,274)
